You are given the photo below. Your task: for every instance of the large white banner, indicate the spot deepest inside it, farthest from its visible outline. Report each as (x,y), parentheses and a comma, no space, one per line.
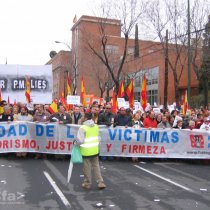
(119,141)
(12,83)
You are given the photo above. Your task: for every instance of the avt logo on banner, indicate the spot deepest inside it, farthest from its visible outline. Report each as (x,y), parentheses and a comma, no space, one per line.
(197,141)
(11,198)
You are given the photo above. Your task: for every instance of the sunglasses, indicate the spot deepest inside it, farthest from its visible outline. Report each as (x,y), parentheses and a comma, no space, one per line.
(108,108)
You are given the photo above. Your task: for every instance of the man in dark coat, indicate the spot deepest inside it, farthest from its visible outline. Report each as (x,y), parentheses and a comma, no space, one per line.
(61,116)
(106,118)
(122,119)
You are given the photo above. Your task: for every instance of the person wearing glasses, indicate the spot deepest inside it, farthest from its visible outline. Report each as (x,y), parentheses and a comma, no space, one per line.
(106,118)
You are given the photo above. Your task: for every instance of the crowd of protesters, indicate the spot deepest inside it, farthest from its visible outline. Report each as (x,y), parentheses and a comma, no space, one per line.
(103,115)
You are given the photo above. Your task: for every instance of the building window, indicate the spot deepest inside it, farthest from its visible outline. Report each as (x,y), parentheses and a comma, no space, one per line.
(137,96)
(154,81)
(138,82)
(152,75)
(130,50)
(149,82)
(152,96)
(111,49)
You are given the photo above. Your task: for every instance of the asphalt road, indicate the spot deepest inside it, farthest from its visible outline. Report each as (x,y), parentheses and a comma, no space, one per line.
(146,185)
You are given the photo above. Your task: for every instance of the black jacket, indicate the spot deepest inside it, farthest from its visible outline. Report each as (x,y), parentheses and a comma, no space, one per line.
(65,118)
(106,118)
(123,120)
(6,118)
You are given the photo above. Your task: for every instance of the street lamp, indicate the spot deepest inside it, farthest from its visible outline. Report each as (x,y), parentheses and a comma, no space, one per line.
(74,67)
(58,42)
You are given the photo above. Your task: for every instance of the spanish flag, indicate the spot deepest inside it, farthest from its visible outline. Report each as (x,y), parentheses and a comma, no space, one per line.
(121,91)
(68,85)
(83,93)
(114,103)
(27,89)
(0,95)
(185,105)
(130,93)
(53,108)
(144,93)
(64,102)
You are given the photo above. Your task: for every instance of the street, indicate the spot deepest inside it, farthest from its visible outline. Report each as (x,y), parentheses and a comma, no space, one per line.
(149,184)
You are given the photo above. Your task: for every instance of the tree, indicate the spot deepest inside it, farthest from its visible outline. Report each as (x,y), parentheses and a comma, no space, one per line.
(205,68)
(174,18)
(129,12)
(74,74)
(199,12)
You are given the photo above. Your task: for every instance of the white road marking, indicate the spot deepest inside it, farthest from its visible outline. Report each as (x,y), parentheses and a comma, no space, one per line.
(20,195)
(57,190)
(56,172)
(203,189)
(3,181)
(165,179)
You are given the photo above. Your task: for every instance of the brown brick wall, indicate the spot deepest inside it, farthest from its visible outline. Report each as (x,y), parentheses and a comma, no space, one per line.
(86,30)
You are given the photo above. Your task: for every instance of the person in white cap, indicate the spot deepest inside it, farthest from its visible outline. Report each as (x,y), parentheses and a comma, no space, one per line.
(206,124)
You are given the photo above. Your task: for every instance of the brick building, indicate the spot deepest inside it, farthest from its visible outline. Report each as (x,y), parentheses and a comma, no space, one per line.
(88,32)
(61,65)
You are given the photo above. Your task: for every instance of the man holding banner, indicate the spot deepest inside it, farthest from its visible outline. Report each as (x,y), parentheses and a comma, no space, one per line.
(60,117)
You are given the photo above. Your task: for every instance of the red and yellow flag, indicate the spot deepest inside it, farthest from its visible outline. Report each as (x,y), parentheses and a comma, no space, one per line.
(64,102)
(0,95)
(68,85)
(185,105)
(121,91)
(114,103)
(53,108)
(27,89)
(83,93)
(130,93)
(144,93)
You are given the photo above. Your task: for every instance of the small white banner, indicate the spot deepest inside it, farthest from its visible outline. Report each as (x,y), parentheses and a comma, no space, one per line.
(121,102)
(73,100)
(156,110)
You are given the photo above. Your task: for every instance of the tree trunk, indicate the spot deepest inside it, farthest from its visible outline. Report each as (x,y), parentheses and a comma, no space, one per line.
(107,95)
(176,89)
(136,49)
(206,92)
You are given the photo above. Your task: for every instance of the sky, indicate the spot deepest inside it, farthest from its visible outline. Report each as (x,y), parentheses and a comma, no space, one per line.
(29,28)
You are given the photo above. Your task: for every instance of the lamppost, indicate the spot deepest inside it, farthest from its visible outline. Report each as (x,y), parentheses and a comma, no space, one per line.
(74,67)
